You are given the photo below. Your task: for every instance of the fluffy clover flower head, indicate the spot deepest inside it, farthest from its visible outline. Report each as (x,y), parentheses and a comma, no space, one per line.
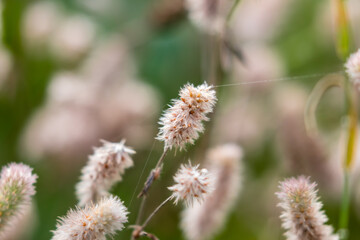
(192,184)
(93,222)
(103,170)
(182,122)
(302,216)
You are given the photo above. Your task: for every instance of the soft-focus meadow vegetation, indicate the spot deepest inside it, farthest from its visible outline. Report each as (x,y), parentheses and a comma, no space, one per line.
(166,57)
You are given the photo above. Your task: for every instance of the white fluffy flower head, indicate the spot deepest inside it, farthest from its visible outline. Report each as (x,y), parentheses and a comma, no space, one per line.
(302,216)
(103,170)
(353,67)
(182,122)
(93,221)
(191,185)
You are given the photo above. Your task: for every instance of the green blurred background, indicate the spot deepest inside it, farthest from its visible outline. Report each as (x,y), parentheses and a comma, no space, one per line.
(166,58)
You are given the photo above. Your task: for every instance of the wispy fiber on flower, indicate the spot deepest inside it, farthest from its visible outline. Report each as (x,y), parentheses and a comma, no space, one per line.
(302,215)
(182,122)
(103,170)
(202,221)
(192,184)
(209,15)
(16,189)
(353,67)
(94,222)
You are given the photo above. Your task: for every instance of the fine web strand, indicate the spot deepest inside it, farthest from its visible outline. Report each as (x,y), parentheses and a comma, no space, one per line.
(300,77)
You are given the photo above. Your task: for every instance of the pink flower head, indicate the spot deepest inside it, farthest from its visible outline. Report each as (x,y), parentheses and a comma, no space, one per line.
(182,122)
(93,221)
(103,170)
(302,215)
(191,185)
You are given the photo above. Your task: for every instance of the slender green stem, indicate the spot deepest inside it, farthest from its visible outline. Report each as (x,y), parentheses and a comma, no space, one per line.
(345,206)
(232,10)
(343,50)
(348,159)
(154,212)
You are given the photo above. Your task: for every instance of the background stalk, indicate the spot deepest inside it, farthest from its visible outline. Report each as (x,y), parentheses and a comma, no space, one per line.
(343,50)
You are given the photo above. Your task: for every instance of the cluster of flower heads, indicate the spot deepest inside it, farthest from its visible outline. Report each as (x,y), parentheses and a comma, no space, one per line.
(103,170)
(68,38)
(16,189)
(192,184)
(182,122)
(201,221)
(353,67)
(80,104)
(302,215)
(92,221)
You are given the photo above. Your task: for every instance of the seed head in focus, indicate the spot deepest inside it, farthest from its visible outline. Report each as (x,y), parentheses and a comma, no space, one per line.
(302,215)
(191,185)
(182,122)
(93,222)
(103,170)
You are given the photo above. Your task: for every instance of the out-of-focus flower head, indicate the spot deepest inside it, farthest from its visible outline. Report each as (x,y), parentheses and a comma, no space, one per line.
(91,104)
(261,64)
(16,189)
(353,67)
(259,20)
(303,153)
(73,38)
(23,225)
(40,22)
(209,15)
(203,220)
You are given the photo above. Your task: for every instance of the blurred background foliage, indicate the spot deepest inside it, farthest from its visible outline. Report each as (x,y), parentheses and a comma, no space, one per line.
(166,57)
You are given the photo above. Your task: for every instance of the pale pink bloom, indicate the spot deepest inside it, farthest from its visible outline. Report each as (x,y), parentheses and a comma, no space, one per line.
(262,64)
(203,220)
(209,15)
(353,67)
(84,107)
(302,215)
(40,22)
(73,38)
(182,122)
(16,189)
(261,20)
(303,153)
(192,184)
(94,222)
(103,170)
